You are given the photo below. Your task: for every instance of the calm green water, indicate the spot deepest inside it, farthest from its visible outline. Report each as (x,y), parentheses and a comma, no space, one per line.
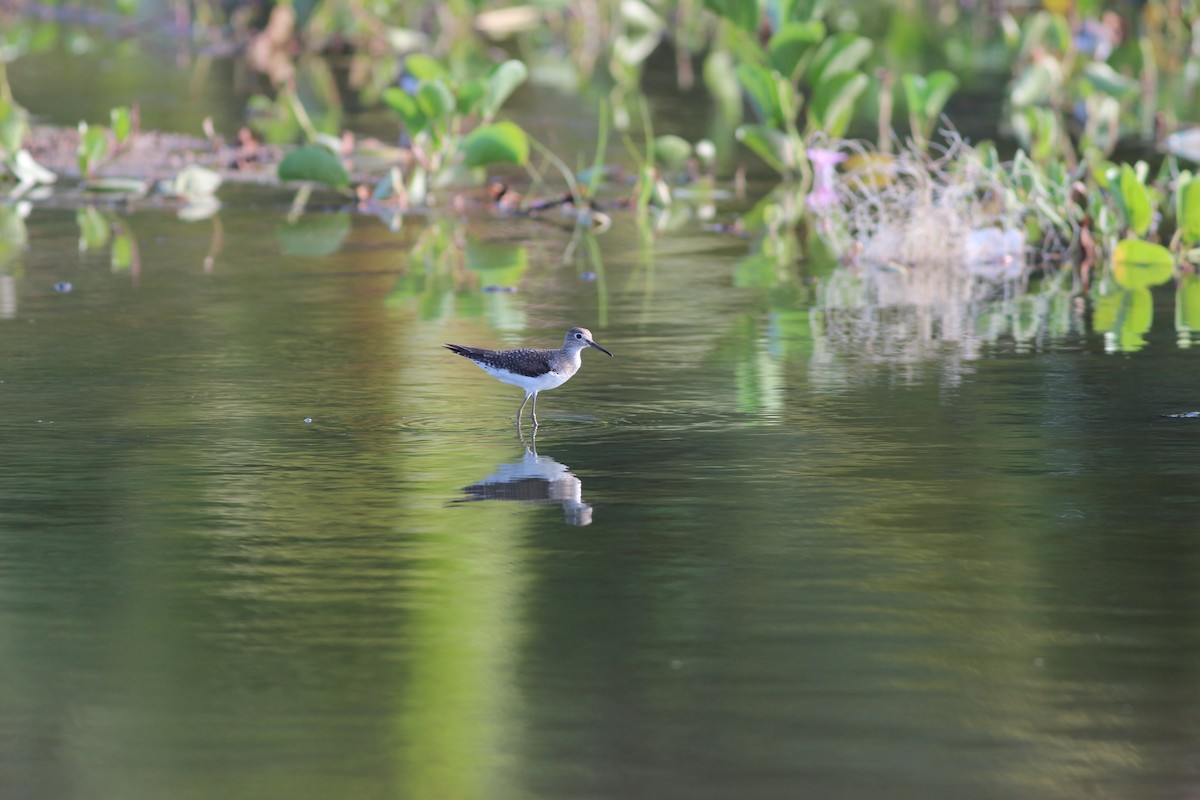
(812,568)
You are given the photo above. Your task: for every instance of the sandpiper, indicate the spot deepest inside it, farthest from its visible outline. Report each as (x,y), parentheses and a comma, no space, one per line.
(533,370)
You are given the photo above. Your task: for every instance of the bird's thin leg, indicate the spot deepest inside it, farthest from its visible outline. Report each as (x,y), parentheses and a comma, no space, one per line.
(522,408)
(534,410)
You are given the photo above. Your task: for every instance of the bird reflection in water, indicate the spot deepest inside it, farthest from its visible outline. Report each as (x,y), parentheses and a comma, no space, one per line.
(537,480)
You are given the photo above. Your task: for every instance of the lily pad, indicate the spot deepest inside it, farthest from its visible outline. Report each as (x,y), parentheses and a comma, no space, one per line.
(314,164)
(498,143)
(1139,264)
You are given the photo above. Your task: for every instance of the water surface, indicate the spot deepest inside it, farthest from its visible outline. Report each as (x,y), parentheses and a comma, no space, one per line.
(260,536)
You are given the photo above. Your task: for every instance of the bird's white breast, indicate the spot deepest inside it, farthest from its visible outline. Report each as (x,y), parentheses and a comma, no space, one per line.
(539,383)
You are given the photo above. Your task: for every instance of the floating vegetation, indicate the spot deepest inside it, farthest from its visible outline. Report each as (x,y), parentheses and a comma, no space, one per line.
(930,223)
(914,211)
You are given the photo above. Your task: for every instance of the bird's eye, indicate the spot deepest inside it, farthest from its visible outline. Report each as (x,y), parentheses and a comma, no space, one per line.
(579,336)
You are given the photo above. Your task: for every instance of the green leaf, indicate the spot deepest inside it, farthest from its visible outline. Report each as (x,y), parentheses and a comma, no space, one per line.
(425,68)
(915,91)
(1037,129)
(768,144)
(722,82)
(405,105)
(671,151)
(498,143)
(1107,80)
(93,147)
(469,96)
(501,83)
(791,43)
(940,86)
(314,164)
(1036,84)
(122,123)
(1188,211)
(1135,201)
(833,102)
(837,55)
(742,13)
(14,126)
(1138,264)
(435,100)
(759,84)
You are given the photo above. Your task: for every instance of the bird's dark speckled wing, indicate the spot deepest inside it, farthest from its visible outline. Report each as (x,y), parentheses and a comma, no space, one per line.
(530,363)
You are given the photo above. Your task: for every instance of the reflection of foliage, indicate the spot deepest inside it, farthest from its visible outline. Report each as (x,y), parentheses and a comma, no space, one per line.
(98,230)
(905,317)
(1124,307)
(447,269)
(313,234)
(1124,317)
(13,235)
(498,265)
(1187,309)
(910,210)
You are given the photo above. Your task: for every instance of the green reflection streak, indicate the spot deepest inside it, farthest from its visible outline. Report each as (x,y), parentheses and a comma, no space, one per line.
(465,635)
(593,248)
(1127,316)
(465,628)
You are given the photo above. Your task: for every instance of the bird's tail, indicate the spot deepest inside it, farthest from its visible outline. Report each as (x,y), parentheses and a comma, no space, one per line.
(460,349)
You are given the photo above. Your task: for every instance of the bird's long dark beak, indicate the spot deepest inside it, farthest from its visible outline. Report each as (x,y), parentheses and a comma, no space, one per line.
(598,347)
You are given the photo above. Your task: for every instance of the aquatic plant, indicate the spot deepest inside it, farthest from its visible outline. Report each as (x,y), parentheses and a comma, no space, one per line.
(799,57)
(98,144)
(926,96)
(435,107)
(914,210)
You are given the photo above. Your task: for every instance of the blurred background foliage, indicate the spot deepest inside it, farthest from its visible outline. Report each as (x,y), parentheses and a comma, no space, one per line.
(829,136)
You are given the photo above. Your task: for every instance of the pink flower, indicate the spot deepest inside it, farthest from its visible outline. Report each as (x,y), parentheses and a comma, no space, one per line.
(823,194)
